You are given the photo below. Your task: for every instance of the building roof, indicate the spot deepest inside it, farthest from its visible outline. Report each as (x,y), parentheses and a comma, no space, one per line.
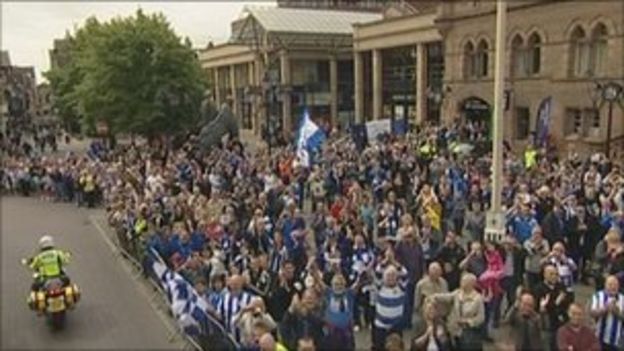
(312,21)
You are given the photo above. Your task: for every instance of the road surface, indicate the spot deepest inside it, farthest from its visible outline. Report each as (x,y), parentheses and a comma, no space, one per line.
(115,312)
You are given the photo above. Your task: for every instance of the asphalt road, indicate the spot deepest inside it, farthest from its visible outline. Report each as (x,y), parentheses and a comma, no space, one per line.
(115,311)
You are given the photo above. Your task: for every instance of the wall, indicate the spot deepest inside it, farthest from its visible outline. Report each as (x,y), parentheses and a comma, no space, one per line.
(554,77)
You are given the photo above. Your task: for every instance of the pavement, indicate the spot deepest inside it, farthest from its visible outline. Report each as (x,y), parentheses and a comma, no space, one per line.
(117,310)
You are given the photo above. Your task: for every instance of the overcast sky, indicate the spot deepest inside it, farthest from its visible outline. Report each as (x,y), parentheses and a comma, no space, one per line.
(29,28)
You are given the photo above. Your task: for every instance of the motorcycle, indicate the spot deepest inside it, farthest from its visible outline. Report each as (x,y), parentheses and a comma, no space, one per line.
(54,299)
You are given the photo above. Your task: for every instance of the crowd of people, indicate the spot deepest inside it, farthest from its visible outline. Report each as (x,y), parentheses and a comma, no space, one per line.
(387,237)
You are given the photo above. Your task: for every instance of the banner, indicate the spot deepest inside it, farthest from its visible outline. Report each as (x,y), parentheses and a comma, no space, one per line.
(191,311)
(542,124)
(378,127)
(399,126)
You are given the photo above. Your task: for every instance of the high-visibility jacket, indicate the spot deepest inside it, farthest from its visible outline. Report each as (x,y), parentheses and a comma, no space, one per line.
(49,263)
(530,158)
(140,226)
(89,183)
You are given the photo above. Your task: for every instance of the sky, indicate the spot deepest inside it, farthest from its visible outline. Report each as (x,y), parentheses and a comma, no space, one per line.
(29,28)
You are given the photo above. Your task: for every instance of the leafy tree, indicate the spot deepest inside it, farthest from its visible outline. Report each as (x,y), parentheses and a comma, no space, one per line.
(133,73)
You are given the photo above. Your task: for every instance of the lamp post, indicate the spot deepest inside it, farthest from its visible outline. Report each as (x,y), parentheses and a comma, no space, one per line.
(495,227)
(437,95)
(609,93)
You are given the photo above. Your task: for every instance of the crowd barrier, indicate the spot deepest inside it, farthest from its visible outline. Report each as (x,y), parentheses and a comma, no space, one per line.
(212,335)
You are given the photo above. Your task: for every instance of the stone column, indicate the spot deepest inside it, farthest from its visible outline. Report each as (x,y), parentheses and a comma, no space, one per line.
(333,89)
(234,93)
(358,91)
(217,87)
(377,85)
(261,109)
(286,100)
(251,84)
(421,83)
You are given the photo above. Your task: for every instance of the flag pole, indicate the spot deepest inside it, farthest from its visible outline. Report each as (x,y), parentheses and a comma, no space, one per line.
(495,229)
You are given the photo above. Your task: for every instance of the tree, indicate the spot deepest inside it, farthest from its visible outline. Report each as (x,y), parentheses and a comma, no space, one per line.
(133,73)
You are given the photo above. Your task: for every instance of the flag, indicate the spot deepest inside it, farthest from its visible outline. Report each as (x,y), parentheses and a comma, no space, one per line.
(309,139)
(543,121)
(188,308)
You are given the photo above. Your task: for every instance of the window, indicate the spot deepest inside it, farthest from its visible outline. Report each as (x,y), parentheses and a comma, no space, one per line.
(469,61)
(592,120)
(574,122)
(580,53)
(482,59)
(518,57)
(534,54)
(598,49)
(523,122)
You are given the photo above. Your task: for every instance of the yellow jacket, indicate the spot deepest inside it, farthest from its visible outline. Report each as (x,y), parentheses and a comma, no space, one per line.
(49,263)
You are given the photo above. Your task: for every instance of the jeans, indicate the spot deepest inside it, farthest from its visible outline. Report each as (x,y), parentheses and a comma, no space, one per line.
(409,304)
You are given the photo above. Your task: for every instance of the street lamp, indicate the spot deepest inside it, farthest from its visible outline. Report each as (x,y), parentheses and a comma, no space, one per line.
(437,95)
(609,93)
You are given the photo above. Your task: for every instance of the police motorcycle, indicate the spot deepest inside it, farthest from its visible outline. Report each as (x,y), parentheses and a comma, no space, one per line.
(52,297)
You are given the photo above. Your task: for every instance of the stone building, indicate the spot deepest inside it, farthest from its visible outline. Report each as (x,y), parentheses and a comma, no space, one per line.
(427,61)
(557,49)
(399,63)
(349,5)
(18,89)
(44,101)
(59,54)
(280,61)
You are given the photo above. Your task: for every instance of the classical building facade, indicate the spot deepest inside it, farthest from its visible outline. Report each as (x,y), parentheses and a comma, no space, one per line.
(398,64)
(281,61)
(555,49)
(426,61)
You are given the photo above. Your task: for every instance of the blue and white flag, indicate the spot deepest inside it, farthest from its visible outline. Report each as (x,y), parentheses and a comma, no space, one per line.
(543,121)
(309,139)
(189,309)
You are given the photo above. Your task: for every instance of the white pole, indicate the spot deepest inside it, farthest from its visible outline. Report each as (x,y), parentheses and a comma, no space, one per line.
(496,221)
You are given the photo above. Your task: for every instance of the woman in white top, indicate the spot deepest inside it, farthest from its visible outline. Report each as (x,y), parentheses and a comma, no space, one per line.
(434,335)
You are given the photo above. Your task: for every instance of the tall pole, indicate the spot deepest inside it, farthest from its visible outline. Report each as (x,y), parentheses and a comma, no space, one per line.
(609,129)
(496,221)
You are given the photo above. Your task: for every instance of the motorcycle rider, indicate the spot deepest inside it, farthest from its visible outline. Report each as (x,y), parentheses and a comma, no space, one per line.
(49,263)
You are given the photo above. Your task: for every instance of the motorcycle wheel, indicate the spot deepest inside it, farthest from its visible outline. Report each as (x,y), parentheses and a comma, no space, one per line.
(57,320)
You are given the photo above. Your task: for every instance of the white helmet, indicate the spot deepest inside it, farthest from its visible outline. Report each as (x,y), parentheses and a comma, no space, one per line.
(45,242)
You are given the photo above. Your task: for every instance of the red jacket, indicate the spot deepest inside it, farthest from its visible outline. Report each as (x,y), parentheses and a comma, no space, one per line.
(582,339)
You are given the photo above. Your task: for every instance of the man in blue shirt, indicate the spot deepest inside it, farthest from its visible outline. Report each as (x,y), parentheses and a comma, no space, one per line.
(521,225)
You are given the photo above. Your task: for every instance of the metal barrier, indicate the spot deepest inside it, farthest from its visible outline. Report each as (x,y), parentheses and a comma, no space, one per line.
(159,294)
(136,252)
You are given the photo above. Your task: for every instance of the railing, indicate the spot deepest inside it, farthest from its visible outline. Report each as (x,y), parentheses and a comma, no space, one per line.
(131,249)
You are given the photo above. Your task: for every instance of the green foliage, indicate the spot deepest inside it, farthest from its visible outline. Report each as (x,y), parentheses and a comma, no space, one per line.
(133,73)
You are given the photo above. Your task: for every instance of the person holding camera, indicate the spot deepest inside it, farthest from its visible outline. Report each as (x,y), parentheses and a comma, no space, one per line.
(252,314)
(303,319)
(537,249)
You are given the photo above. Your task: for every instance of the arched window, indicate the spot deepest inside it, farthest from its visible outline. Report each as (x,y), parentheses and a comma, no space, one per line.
(580,53)
(534,54)
(469,60)
(518,57)
(482,59)
(598,49)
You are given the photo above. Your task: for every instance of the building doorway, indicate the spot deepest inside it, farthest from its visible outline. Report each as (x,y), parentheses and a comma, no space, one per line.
(478,111)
